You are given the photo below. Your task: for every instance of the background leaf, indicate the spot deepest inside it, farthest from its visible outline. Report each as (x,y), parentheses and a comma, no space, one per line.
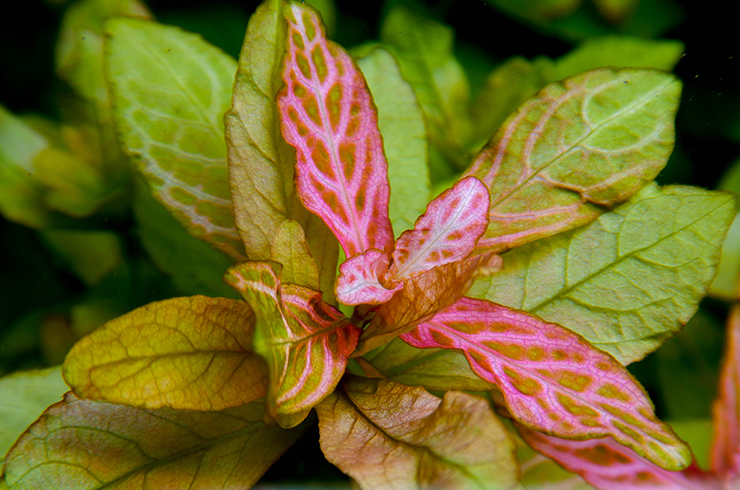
(385,434)
(170,91)
(145,449)
(590,141)
(656,256)
(190,353)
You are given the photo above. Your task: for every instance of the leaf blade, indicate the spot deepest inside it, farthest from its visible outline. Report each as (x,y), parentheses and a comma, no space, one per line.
(725,453)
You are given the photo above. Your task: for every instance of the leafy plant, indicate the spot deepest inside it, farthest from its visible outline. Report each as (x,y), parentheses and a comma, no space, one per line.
(524,287)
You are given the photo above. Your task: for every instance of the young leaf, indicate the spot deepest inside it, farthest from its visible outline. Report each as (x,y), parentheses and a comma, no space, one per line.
(290,249)
(401,123)
(88,445)
(387,435)
(590,141)
(610,466)
(189,353)
(360,279)
(656,257)
(170,90)
(726,409)
(446,233)
(23,397)
(328,116)
(305,341)
(552,380)
(422,296)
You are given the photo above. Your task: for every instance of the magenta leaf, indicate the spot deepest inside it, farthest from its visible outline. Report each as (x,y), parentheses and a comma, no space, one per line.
(607,465)
(447,232)
(552,379)
(329,117)
(726,409)
(361,277)
(305,341)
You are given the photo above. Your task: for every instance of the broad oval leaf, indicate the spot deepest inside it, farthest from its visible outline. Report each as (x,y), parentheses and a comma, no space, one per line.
(387,435)
(552,379)
(328,116)
(590,141)
(627,281)
(191,353)
(87,445)
(608,465)
(361,279)
(305,341)
(446,233)
(170,90)
(726,409)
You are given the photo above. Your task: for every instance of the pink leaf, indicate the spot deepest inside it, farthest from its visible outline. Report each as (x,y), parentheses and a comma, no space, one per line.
(607,465)
(447,232)
(552,379)
(360,279)
(305,341)
(328,116)
(726,409)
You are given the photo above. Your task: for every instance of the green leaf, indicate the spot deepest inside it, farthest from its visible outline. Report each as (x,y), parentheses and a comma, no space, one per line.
(261,163)
(290,249)
(90,254)
(185,353)
(587,142)
(305,341)
(725,284)
(434,369)
(88,445)
(23,397)
(170,90)
(698,435)
(655,257)
(401,123)
(423,48)
(195,267)
(385,434)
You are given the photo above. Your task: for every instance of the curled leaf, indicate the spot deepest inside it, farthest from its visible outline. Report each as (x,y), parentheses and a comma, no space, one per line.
(360,279)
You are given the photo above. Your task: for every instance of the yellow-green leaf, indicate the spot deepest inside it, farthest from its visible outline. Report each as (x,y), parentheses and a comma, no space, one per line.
(186,353)
(290,249)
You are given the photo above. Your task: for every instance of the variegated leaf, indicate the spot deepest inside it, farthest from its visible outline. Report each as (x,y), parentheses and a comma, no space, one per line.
(423,296)
(305,341)
(361,279)
(552,379)
(607,465)
(447,232)
(726,409)
(328,116)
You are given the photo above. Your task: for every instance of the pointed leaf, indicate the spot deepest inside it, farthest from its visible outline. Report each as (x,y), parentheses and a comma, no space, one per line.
(726,409)
(552,379)
(305,341)
(290,249)
(592,140)
(401,123)
(387,435)
(88,445)
(261,163)
(186,353)
(170,90)
(446,233)
(361,277)
(610,466)
(23,397)
(328,116)
(423,296)
(656,256)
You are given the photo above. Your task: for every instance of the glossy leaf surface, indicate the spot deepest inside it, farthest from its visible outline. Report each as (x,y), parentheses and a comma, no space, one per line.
(590,141)
(361,277)
(725,456)
(185,353)
(656,257)
(446,233)
(88,445)
(305,341)
(170,90)
(328,116)
(401,123)
(423,296)
(552,380)
(608,465)
(387,435)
